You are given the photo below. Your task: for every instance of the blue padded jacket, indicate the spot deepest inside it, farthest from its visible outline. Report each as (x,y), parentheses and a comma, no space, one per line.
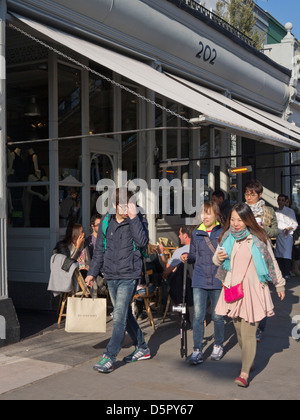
(122,258)
(201,255)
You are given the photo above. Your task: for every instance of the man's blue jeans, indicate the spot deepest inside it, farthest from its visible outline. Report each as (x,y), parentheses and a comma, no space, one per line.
(201,297)
(121,294)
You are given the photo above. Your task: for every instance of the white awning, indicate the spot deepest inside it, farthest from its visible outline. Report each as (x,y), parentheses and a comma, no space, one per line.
(262,117)
(212,112)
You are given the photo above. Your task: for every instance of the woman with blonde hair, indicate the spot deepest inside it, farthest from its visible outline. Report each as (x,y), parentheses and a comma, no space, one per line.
(246,265)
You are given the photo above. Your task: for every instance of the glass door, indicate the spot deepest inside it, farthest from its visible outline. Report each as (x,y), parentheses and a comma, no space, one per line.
(101,169)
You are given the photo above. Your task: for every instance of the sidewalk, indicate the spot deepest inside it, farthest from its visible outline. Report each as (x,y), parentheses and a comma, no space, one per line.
(55,365)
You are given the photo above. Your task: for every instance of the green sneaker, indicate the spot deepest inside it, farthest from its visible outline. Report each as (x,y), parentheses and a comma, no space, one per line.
(105,365)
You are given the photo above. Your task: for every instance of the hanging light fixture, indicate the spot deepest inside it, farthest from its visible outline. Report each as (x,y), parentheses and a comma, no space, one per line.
(32,109)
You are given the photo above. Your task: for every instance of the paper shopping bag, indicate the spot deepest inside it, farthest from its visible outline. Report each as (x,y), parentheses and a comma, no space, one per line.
(86,315)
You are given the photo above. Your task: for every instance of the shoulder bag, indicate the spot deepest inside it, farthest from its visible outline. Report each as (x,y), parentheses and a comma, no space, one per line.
(235,293)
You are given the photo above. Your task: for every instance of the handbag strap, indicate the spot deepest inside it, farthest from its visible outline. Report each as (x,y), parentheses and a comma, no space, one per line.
(247,269)
(209,244)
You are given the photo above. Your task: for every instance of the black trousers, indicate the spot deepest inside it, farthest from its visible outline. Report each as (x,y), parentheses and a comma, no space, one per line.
(285,266)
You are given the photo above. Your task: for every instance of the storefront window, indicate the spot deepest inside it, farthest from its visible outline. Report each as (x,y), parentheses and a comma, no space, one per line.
(204,155)
(28,162)
(159,133)
(172,143)
(129,141)
(184,134)
(172,121)
(101,168)
(70,155)
(101,102)
(295,182)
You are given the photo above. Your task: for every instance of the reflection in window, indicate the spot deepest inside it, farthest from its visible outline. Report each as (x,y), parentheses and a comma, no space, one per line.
(129,141)
(70,155)
(101,168)
(172,121)
(204,155)
(27,119)
(69,123)
(69,205)
(172,144)
(101,102)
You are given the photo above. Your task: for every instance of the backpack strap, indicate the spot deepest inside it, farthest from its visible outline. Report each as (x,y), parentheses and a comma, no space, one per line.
(104,229)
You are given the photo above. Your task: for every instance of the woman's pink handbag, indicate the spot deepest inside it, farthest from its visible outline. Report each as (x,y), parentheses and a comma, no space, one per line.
(235,293)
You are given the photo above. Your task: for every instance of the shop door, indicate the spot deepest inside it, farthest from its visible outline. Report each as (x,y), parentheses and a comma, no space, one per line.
(104,164)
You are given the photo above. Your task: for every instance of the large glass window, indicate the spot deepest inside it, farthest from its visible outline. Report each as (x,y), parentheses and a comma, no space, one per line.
(172,134)
(173,143)
(204,155)
(70,156)
(295,181)
(101,168)
(27,162)
(101,102)
(129,122)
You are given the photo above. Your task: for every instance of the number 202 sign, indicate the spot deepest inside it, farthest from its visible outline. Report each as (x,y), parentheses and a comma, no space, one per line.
(207,54)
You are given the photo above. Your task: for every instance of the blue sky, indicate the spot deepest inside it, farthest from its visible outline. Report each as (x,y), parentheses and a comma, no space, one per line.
(284,11)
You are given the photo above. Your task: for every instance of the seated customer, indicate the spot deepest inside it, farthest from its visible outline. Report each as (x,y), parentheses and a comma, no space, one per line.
(185,234)
(173,270)
(73,247)
(91,240)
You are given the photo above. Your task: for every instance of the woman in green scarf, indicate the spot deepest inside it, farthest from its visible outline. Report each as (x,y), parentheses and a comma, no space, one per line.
(247,257)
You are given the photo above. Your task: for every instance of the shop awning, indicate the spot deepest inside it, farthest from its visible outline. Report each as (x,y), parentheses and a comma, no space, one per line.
(211,111)
(261,117)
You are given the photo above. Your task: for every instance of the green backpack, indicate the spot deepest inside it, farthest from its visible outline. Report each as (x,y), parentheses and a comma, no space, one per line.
(104,230)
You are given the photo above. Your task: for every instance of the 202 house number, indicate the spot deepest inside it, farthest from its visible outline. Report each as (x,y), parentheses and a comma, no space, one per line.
(207,54)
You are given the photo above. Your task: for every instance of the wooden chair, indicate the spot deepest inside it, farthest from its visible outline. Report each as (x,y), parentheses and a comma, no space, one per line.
(84,292)
(167,308)
(147,300)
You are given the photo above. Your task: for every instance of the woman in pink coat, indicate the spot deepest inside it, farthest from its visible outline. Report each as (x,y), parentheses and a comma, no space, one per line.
(246,256)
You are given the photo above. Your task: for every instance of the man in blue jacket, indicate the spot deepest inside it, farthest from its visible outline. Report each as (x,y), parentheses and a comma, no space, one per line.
(118,255)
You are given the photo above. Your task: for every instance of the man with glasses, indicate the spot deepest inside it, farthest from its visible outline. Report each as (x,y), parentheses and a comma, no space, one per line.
(91,240)
(118,254)
(264,215)
(266,218)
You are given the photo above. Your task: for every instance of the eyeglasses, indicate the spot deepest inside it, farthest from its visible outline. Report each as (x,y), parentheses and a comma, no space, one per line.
(122,206)
(247,194)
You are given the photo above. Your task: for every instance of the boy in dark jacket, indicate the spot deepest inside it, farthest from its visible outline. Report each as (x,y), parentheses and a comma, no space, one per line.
(118,255)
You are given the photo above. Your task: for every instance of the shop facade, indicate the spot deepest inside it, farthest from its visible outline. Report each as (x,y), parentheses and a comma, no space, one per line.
(111,87)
